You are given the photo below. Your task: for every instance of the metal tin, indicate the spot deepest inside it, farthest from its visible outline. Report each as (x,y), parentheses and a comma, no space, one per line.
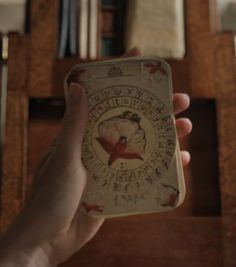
(130,147)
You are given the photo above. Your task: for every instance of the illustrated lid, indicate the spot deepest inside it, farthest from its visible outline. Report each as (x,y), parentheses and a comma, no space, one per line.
(130,149)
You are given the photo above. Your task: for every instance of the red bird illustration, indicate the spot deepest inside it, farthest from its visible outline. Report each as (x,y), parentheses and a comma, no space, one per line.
(118,150)
(173,197)
(171,201)
(154,68)
(92,207)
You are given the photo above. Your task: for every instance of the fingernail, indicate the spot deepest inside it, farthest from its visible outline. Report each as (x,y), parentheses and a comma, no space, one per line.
(73,77)
(186,96)
(188,155)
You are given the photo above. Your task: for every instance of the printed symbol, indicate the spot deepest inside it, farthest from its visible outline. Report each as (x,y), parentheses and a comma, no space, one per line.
(122,137)
(114,71)
(153,68)
(172,197)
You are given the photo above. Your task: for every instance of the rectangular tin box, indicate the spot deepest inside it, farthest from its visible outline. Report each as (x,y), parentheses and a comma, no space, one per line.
(130,147)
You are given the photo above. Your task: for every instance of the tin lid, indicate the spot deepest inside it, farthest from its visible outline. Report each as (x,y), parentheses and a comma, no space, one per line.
(130,148)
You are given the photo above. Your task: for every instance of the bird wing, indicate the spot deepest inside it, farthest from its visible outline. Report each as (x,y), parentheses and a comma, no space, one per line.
(131,156)
(108,147)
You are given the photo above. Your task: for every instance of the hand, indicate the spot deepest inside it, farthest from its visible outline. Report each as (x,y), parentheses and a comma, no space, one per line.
(51,228)
(180,102)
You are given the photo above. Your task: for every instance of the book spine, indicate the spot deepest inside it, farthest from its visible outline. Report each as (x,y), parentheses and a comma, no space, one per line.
(108,2)
(93,28)
(64,28)
(72,28)
(108,47)
(107,22)
(83,29)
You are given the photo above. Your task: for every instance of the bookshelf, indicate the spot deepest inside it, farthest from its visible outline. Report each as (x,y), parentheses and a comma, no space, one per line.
(112,27)
(202,230)
(90,28)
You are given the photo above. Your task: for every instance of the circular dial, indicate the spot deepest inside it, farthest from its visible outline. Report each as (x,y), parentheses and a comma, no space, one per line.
(130,139)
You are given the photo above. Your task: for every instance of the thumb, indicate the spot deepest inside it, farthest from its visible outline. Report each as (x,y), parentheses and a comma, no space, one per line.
(74,122)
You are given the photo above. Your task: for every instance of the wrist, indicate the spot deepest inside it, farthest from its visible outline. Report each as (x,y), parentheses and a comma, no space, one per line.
(32,256)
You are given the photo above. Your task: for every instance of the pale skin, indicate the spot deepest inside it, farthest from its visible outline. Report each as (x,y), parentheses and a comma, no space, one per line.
(51,228)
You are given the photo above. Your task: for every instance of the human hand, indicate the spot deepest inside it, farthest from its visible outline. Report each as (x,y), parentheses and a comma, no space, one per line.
(51,222)
(180,103)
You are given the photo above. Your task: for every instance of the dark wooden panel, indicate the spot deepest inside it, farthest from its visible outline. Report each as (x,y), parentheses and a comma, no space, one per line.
(14,158)
(44,123)
(149,240)
(18,62)
(180,75)
(203,143)
(14,154)
(200,48)
(226,109)
(229,240)
(43,46)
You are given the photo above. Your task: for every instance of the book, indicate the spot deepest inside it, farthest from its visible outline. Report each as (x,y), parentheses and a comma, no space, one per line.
(93,28)
(112,28)
(109,2)
(156,27)
(72,28)
(108,46)
(12,16)
(83,34)
(130,148)
(64,28)
(107,22)
(228,14)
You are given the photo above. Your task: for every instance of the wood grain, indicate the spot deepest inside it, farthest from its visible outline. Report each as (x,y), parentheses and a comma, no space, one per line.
(229,240)
(43,46)
(149,240)
(200,48)
(14,158)
(180,75)
(44,125)
(202,143)
(15,147)
(226,110)
(18,62)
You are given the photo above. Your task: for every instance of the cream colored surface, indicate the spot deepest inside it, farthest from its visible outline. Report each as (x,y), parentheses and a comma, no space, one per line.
(227,11)
(130,185)
(12,2)
(156,27)
(12,13)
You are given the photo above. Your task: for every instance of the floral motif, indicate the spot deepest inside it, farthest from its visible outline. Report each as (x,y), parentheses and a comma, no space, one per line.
(122,137)
(153,68)
(172,196)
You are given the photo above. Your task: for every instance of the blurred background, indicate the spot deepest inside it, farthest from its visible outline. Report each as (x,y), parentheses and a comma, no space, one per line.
(41,40)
